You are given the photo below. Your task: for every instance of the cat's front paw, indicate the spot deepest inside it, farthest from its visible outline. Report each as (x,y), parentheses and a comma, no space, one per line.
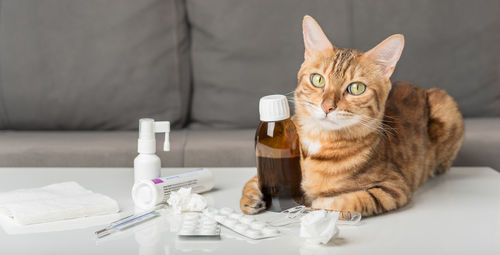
(252,201)
(252,204)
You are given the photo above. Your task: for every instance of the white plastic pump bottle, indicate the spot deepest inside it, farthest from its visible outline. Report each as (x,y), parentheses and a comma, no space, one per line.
(147,164)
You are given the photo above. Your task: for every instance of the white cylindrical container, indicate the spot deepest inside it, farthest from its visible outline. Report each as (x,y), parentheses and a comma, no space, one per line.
(149,193)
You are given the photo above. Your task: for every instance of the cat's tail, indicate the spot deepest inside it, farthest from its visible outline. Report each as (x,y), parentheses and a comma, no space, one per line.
(445,128)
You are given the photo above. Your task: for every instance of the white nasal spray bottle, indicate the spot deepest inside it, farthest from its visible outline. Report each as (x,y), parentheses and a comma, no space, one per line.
(147,164)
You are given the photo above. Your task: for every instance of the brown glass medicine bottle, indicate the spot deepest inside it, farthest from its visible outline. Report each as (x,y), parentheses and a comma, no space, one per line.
(278,155)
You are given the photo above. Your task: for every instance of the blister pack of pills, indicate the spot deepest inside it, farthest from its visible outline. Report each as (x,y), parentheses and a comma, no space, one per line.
(242,224)
(196,225)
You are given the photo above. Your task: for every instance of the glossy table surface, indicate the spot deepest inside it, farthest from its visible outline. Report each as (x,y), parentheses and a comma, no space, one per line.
(457,213)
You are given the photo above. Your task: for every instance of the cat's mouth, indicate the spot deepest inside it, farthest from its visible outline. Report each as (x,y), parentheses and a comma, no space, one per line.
(336,120)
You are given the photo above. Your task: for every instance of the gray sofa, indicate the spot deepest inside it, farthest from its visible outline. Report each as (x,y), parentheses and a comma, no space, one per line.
(75,76)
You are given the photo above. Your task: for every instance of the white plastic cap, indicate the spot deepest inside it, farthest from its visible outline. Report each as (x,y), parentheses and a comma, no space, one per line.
(147,129)
(145,195)
(274,108)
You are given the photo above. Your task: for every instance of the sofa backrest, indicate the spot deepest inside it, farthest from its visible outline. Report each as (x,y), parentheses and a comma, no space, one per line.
(244,50)
(92,64)
(103,64)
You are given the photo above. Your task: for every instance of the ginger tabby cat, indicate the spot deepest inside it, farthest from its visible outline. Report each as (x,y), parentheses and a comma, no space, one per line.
(367,144)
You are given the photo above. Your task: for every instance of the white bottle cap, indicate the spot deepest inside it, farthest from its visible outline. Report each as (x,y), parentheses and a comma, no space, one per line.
(274,108)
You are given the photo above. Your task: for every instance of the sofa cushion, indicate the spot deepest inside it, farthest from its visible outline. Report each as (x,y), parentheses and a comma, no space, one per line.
(93,64)
(243,51)
(481,144)
(82,148)
(190,148)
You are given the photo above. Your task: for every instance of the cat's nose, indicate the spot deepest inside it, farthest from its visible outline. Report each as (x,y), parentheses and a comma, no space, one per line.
(328,108)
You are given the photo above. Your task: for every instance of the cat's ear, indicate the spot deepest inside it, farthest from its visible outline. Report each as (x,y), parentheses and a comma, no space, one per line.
(386,54)
(315,40)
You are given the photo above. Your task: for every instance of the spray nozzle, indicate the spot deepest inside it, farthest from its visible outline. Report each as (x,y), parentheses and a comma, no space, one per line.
(147,130)
(164,127)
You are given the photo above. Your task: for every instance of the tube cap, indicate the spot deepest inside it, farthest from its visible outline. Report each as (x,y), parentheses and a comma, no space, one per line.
(145,195)
(274,108)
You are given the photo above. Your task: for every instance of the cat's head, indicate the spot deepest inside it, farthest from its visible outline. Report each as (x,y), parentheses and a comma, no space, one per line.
(340,89)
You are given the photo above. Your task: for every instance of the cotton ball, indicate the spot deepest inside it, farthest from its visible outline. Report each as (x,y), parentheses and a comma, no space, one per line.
(319,226)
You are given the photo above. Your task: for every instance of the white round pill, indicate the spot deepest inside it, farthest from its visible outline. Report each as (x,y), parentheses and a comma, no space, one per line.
(270,231)
(247,219)
(208,226)
(220,218)
(258,225)
(185,233)
(209,214)
(190,223)
(187,229)
(211,210)
(229,222)
(207,221)
(235,216)
(241,227)
(207,231)
(191,216)
(252,233)
(226,210)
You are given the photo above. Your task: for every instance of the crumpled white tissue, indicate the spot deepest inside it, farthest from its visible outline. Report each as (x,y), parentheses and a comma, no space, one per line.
(183,201)
(319,226)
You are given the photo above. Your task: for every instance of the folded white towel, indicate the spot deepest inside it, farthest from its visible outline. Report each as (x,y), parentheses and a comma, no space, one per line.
(54,202)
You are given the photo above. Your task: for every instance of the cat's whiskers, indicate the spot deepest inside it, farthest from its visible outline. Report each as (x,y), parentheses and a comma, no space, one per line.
(373,124)
(383,124)
(378,126)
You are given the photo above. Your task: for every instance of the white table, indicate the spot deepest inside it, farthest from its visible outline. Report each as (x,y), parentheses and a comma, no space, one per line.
(458,213)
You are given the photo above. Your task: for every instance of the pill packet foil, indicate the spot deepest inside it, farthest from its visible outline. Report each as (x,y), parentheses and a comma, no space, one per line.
(244,225)
(198,226)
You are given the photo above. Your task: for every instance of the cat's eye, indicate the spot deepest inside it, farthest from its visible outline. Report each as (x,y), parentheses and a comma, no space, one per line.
(356,88)
(317,80)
